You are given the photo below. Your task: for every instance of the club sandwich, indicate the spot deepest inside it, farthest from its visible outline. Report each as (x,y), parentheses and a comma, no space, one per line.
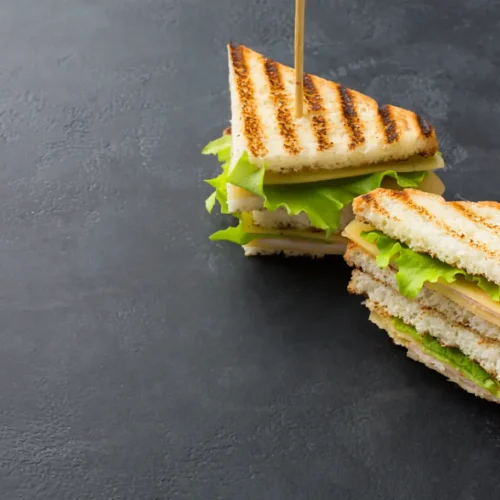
(430,272)
(290,182)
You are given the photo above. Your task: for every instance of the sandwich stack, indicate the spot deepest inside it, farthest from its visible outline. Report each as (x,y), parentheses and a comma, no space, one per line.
(430,272)
(291,181)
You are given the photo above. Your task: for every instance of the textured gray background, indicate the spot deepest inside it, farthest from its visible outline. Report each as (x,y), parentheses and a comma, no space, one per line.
(139,361)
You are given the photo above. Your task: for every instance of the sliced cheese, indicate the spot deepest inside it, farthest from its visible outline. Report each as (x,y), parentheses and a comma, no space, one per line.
(237,193)
(294,246)
(250,227)
(431,184)
(462,292)
(413,164)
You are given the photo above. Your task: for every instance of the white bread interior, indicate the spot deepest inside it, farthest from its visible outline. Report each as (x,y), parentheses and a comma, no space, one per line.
(486,352)
(383,321)
(280,219)
(355,256)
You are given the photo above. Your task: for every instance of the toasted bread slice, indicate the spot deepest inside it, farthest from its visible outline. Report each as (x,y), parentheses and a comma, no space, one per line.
(380,318)
(341,127)
(462,234)
(484,351)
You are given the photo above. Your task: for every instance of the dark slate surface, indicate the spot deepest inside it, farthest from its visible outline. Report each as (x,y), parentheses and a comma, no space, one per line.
(137,360)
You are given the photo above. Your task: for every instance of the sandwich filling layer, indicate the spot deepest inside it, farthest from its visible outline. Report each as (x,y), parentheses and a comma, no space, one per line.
(463,235)
(415,272)
(316,201)
(448,361)
(483,351)
(293,247)
(290,240)
(357,257)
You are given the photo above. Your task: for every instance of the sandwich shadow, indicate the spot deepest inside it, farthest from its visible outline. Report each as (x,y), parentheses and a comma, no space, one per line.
(307,297)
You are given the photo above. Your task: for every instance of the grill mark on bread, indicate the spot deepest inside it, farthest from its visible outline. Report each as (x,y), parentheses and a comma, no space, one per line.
(473,216)
(251,122)
(425,129)
(389,124)
(369,199)
(428,134)
(492,206)
(283,114)
(351,119)
(362,200)
(313,97)
(319,120)
(405,198)
(489,204)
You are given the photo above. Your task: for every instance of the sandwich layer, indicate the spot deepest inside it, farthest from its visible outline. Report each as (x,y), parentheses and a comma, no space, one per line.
(294,247)
(485,352)
(241,200)
(356,256)
(258,240)
(341,127)
(413,164)
(416,352)
(325,205)
(465,294)
(462,234)
(252,225)
(280,219)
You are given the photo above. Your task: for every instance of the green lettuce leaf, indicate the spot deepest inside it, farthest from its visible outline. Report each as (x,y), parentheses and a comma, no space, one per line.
(222,148)
(219,183)
(322,201)
(451,356)
(415,269)
(210,202)
(238,235)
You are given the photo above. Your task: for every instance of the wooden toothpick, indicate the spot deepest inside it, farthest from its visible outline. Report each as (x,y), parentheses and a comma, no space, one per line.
(300,7)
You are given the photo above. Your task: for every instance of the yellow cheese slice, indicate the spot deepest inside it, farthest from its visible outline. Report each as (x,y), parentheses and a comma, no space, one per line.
(462,292)
(431,184)
(250,227)
(297,246)
(413,164)
(236,193)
